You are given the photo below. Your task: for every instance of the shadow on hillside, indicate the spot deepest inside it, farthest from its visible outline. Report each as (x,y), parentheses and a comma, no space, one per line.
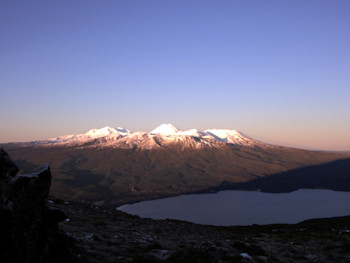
(333,175)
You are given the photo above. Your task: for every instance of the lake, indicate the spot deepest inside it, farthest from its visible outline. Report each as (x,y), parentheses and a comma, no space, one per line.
(228,208)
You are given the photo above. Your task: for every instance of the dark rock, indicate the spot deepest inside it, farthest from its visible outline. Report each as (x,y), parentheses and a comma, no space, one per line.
(7,167)
(29,230)
(55,215)
(7,170)
(250,249)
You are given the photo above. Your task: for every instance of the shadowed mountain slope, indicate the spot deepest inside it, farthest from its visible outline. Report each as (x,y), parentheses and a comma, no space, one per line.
(333,175)
(112,175)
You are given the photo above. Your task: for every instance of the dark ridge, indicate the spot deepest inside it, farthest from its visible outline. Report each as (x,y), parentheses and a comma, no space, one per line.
(333,175)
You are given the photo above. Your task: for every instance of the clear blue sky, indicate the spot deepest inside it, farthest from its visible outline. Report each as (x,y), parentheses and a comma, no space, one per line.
(279,71)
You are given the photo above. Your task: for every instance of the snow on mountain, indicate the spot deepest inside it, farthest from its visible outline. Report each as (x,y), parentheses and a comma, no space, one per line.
(91,134)
(141,140)
(165,130)
(95,133)
(230,136)
(192,132)
(163,135)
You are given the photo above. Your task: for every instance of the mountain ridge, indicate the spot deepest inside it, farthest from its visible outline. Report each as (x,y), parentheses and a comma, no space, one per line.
(160,136)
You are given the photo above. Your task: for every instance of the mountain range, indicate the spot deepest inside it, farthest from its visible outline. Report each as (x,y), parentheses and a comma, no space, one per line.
(115,166)
(165,134)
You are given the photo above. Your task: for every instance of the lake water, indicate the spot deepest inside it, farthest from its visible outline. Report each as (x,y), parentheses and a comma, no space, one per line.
(227,208)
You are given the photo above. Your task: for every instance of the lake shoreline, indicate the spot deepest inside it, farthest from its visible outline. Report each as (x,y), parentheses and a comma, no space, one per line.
(241,207)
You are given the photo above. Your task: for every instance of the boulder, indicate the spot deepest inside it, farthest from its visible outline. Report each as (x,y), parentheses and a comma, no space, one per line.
(29,229)
(7,168)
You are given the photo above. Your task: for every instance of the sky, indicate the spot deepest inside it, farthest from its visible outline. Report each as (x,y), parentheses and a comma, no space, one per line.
(278,71)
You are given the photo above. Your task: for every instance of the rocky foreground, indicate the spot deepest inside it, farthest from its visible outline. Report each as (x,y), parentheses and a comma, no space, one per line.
(106,235)
(28,227)
(35,228)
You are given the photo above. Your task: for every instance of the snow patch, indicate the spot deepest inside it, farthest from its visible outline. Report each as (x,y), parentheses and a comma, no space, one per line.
(192,132)
(229,136)
(165,130)
(91,134)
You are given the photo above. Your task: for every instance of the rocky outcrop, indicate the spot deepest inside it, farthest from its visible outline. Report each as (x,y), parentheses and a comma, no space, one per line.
(109,236)
(7,168)
(29,229)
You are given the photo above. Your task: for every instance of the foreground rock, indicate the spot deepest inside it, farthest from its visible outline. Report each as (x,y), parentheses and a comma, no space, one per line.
(29,230)
(108,235)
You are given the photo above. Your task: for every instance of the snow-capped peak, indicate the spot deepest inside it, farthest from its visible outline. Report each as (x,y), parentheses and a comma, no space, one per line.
(165,130)
(101,132)
(229,136)
(164,134)
(91,134)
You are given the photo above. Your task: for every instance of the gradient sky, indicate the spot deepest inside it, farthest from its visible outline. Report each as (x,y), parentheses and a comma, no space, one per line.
(279,71)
